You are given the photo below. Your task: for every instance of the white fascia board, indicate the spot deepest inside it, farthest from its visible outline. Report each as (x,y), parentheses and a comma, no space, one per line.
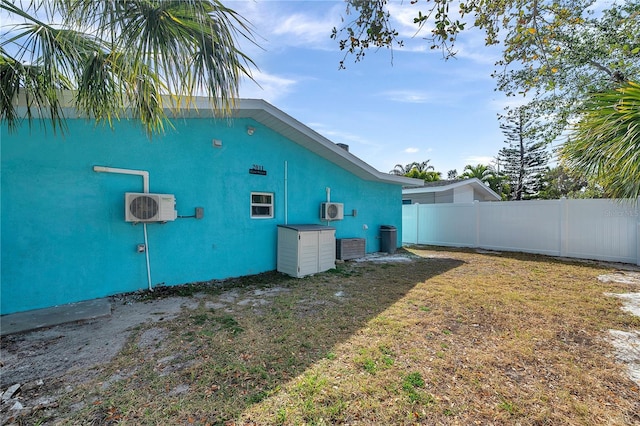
(480,186)
(473,182)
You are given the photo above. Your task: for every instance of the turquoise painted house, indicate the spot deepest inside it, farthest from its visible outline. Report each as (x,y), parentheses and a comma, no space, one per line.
(69,232)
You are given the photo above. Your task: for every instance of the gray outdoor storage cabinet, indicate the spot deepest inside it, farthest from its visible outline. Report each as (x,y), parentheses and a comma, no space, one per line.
(306,249)
(350,248)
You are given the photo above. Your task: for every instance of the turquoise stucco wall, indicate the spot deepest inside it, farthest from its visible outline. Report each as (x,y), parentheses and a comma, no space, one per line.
(64,238)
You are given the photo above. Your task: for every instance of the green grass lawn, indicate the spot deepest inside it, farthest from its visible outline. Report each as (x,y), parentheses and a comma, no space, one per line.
(453,337)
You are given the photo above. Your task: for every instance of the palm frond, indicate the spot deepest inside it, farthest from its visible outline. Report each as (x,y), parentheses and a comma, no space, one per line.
(606,141)
(146,56)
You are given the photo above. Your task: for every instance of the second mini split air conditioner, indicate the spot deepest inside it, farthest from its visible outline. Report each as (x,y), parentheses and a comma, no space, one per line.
(145,207)
(332,211)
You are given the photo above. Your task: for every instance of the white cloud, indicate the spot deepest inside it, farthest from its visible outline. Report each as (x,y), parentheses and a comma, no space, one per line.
(272,87)
(442,98)
(499,105)
(339,136)
(479,159)
(305,29)
(409,96)
(279,27)
(412,150)
(599,5)
(403,14)
(480,54)
(470,43)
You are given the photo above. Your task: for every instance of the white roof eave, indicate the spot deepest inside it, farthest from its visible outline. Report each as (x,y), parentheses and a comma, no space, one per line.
(474,182)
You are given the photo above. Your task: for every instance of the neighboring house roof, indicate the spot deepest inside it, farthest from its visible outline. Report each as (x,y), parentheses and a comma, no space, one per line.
(270,116)
(445,185)
(444,182)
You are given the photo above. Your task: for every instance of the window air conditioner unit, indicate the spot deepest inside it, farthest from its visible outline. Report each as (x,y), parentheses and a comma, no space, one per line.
(332,211)
(145,207)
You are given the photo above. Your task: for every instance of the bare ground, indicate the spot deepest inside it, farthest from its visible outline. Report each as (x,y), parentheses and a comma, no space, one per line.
(50,362)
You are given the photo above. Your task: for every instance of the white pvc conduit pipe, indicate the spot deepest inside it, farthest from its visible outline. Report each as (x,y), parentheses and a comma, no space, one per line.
(146,253)
(286,193)
(328,191)
(143,173)
(145,188)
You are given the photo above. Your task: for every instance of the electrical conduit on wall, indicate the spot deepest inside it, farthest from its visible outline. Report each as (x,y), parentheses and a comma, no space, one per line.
(145,188)
(328,190)
(286,193)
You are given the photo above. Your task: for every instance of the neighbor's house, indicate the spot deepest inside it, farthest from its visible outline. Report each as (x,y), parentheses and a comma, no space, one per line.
(449,191)
(64,233)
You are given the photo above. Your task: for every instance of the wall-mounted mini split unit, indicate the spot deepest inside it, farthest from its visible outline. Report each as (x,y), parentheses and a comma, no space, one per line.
(145,207)
(332,211)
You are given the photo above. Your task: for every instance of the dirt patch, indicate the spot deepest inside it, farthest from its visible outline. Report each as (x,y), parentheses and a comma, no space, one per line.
(402,257)
(627,343)
(54,361)
(66,348)
(631,302)
(47,364)
(622,277)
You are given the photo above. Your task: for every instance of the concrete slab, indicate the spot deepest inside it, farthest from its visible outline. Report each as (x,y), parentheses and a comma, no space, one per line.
(41,318)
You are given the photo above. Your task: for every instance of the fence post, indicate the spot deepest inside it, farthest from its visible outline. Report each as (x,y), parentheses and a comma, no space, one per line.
(638,244)
(476,210)
(638,232)
(417,222)
(564,226)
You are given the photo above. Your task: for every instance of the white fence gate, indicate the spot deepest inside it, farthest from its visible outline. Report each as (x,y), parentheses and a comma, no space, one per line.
(586,229)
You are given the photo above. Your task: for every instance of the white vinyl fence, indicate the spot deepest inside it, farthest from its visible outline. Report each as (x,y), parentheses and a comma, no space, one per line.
(586,229)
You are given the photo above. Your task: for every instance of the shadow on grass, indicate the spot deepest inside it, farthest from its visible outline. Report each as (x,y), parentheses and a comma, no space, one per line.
(246,340)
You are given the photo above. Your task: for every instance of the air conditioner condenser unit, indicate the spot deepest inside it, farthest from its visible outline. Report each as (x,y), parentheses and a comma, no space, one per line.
(332,211)
(146,207)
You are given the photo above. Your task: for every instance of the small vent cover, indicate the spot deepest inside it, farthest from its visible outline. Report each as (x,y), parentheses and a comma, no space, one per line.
(331,211)
(144,207)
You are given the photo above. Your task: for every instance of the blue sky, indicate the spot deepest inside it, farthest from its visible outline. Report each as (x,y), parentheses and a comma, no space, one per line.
(390,108)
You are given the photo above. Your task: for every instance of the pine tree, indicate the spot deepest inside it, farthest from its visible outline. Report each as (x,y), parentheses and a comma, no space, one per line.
(525,159)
